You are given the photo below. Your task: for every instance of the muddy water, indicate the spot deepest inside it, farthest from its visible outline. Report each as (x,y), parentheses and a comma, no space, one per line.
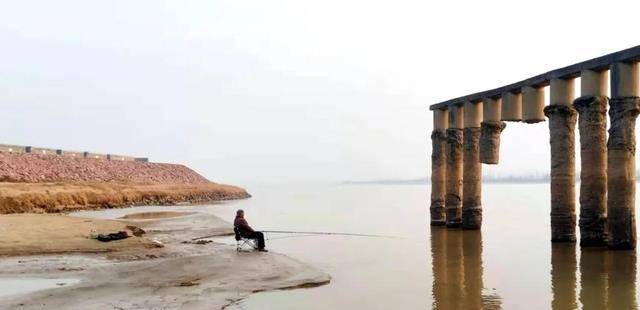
(509,265)
(17,286)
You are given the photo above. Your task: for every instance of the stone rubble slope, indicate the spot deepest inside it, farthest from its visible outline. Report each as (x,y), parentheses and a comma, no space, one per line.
(36,168)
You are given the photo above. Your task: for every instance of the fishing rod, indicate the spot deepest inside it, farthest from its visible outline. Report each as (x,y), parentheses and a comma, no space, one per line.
(309,233)
(326,233)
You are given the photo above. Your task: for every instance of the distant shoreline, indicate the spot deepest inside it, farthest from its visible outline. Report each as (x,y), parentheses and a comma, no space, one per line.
(425,182)
(429,183)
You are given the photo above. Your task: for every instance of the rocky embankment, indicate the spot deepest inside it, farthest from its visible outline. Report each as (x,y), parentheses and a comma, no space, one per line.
(49,183)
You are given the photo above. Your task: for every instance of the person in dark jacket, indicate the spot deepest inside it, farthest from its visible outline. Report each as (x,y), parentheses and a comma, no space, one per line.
(247,232)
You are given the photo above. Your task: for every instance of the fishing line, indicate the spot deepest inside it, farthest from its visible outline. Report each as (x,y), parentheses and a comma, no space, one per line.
(310,233)
(327,233)
(285,237)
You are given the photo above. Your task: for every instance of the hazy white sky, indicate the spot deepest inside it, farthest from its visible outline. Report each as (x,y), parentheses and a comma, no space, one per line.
(283,91)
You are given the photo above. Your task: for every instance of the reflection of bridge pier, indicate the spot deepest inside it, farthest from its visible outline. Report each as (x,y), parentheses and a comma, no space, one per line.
(456,261)
(455,270)
(472,263)
(607,279)
(593,279)
(621,269)
(607,166)
(439,269)
(563,276)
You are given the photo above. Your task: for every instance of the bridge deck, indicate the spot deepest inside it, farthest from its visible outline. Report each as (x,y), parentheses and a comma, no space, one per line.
(572,71)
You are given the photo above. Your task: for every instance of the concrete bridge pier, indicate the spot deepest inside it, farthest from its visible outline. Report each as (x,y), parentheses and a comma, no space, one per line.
(592,125)
(623,111)
(511,107)
(491,128)
(472,168)
(562,122)
(438,166)
(532,105)
(454,174)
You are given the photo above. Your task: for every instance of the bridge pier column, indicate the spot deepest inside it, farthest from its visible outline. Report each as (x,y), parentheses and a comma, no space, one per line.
(592,125)
(472,168)
(532,105)
(512,107)
(438,166)
(491,128)
(562,122)
(453,196)
(621,173)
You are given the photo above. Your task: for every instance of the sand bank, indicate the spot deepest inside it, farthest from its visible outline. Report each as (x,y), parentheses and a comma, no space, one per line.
(181,275)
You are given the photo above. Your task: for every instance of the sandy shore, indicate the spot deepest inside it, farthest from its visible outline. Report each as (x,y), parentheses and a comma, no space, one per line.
(30,234)
(133,275)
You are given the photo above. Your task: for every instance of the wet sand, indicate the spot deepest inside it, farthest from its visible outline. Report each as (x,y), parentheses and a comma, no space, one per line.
(182,274)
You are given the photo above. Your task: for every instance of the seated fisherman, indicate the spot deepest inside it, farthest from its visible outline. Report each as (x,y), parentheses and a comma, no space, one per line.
(247,232)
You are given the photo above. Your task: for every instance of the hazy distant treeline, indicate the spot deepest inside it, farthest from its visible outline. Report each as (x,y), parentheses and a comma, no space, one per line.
(525,178)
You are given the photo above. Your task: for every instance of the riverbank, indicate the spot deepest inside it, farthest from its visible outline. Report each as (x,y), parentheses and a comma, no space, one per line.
(36,183)
(66,197)
(134,272)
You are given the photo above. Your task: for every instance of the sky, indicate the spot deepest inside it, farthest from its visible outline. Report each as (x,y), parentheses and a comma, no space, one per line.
(282,92)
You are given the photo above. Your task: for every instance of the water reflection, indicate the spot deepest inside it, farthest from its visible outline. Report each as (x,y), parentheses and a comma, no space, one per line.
(593,278)
(580,278)
(621,267)
(607,278)
(563,276)
(456,262)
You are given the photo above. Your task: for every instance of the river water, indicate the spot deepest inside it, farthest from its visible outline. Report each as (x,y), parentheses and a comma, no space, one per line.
(511,264)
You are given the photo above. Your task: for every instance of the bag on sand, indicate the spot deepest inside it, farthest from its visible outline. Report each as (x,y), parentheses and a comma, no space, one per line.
(112,236)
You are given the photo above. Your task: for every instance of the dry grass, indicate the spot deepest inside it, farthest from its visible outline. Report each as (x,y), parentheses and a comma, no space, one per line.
(63,197)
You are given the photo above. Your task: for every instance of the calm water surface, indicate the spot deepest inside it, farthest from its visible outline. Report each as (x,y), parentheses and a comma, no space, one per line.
(511,264)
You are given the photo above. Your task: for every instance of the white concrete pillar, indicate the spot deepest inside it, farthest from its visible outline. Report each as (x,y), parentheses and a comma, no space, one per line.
(472,114)
(532,105)
(624,80)
(511,107)
(456,116)
(441,119)
(594,83)
(492,110)
(562,92)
